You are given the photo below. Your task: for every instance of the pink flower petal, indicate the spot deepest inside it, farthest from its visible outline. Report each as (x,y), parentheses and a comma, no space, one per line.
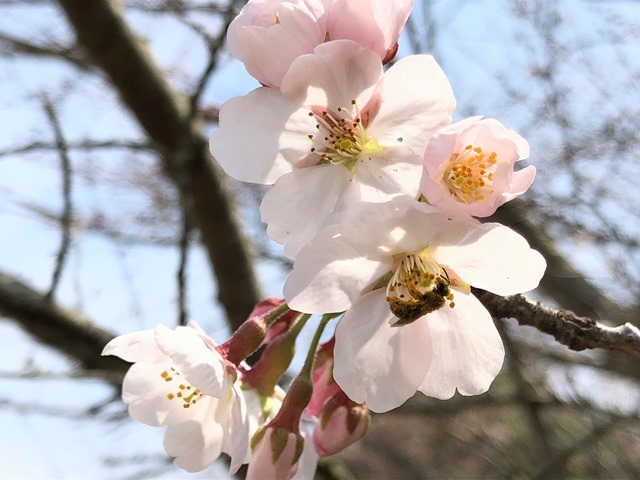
(267,50)
(374,24)
(337,73)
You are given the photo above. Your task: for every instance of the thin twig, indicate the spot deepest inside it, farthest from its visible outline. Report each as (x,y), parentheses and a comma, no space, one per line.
(67,213)
(11,45)
(182,271)
(81,145)
(214,46)
(577,333)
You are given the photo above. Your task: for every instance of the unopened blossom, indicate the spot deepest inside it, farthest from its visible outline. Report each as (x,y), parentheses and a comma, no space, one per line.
(339,132)
(282,324)
(180,381)
(469,168)
(324,386)
(342,423)
(275,454)
(277,448)
(403,271)
(268,35)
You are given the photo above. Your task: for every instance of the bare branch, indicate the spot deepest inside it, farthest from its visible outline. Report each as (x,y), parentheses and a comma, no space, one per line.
(80,145)
(182,270)
(68,332)
(67,214)
(562,281)
(577,333)
(11,45)
(165,115)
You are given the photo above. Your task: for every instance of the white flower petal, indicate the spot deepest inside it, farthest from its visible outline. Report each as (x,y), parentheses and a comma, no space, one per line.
(490,256)
(297,197)
(260,136)
(376,363)
(418,100)
(402,225)
(135,347)
(202,366)
(380,177)
(236,440)
(147,392)
(197,443)
(328,274)
(467,349)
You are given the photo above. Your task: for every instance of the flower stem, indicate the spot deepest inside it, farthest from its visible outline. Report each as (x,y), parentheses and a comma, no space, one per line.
(308,363)
(301,388)
(271,317)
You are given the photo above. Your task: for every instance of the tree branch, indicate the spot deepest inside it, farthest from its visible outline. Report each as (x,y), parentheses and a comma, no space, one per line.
(562,281)
(165,116)
(67,214)
(10,45)
(66,331)
(577,333)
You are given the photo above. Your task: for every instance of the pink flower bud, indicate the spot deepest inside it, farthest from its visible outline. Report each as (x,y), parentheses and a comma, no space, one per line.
(343,423)
(275,452)
(324,386)
(469,168)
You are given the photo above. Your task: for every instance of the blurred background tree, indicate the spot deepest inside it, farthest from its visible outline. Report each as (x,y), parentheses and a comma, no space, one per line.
(113,218)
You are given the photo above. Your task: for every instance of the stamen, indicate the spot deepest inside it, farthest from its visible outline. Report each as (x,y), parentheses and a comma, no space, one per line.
(192,394)
(342,136)
(418,286)
(469,175)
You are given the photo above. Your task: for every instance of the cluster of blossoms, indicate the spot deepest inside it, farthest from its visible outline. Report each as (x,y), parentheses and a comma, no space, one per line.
(375,194)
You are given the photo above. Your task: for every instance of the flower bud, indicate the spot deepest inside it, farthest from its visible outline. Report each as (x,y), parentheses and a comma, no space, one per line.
(343,422)
(252,333)
(275,452)
(324,386)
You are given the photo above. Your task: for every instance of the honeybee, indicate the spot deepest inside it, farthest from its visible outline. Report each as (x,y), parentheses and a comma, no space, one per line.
(408,311)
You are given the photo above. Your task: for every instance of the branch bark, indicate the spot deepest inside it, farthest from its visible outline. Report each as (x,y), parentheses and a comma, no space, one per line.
(562,281)
(165,116)
(67,331)
(577,333)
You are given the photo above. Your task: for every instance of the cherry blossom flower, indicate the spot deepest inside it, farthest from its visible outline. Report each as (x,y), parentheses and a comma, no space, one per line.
(469,168)
(403,271)
(268,35)
(181,382)
(338,133)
